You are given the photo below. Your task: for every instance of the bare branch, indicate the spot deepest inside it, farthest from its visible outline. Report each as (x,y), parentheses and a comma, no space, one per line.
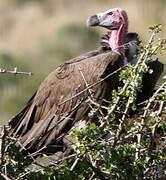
(95,169)
(2,148)
(4,176)
(14,71)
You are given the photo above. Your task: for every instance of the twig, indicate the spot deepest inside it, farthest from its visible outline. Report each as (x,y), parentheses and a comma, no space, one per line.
(74,164)
(151,100)
(92,176)
(97,104)
(160,108)
(22,147)
(2,146)
(95,169)
(86,83)
(119,129)
(37,152)
(4,176)
(91,97)
(94,84)
(23,175)
(15,71)
(115,103)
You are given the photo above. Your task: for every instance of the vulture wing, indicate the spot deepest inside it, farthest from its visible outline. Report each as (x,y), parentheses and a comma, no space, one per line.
(60,99)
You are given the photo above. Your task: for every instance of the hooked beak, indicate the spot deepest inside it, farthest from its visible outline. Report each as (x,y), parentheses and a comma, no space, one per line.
(100,20)
(93,21)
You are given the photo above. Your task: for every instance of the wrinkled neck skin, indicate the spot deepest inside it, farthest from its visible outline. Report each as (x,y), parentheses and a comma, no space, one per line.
(117,38)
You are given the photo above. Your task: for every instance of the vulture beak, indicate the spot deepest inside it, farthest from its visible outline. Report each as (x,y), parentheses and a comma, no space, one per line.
(100,19)
(93,21)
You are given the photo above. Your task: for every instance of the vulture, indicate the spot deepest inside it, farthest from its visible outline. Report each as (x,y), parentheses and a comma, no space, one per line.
(61,102)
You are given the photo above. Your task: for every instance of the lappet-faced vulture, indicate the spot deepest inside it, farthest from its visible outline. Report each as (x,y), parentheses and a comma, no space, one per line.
(61,100)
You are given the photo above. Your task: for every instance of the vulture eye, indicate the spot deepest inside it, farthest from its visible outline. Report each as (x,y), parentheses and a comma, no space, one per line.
(110,13)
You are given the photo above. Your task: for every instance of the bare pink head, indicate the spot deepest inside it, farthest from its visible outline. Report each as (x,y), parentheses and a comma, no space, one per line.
(116,20)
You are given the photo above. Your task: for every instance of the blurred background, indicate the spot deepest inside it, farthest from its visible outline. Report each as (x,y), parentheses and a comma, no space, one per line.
(38,35)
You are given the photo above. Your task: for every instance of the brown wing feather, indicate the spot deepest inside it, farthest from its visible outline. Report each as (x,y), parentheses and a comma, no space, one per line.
(56,105)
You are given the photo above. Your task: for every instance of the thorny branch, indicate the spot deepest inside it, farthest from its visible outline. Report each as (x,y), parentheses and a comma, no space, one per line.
(147,109)
(144,58)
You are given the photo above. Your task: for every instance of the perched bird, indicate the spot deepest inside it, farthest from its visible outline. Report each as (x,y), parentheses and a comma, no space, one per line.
(61,102)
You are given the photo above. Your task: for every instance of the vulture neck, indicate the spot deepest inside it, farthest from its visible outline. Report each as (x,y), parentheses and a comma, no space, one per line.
(117,39)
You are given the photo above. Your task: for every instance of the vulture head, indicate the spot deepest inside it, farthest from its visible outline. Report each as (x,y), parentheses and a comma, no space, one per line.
(111,19)
(115,20)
